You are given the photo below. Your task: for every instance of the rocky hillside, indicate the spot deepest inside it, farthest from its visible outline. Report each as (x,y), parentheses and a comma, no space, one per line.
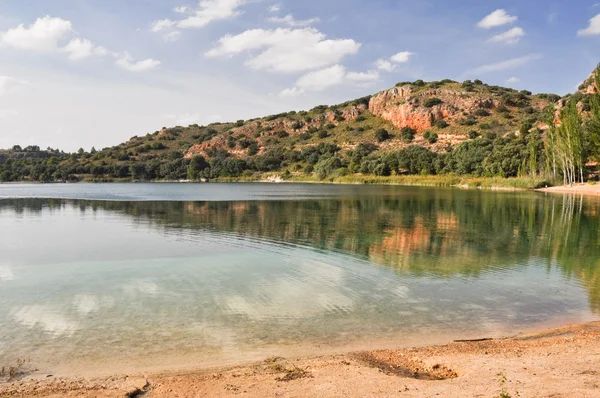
(438,115)
(415,127)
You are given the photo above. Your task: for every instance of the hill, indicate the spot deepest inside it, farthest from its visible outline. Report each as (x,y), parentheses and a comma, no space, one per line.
(442,127)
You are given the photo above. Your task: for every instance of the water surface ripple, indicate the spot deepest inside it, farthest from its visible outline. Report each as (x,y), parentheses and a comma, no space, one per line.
(215,273)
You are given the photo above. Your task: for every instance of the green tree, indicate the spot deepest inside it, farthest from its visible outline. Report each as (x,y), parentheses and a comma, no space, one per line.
(197,165)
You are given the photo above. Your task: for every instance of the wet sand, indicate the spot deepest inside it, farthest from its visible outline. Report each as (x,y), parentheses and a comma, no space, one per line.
(584,189)
(562,362)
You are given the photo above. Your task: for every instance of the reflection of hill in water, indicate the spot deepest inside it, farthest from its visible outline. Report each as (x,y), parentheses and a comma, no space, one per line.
(443,232)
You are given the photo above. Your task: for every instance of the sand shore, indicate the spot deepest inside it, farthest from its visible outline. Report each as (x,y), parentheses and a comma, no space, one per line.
(561,362)
(584,189)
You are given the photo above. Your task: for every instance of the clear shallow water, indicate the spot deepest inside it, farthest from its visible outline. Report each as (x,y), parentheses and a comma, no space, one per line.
(235,271)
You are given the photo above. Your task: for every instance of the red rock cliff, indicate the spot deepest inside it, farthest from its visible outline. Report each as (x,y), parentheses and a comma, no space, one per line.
(404,106)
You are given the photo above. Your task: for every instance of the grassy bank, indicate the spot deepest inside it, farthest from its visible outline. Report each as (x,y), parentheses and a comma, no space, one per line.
(517,183)
(520,183)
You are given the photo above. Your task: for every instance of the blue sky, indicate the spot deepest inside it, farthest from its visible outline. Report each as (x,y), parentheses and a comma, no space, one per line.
(77,73)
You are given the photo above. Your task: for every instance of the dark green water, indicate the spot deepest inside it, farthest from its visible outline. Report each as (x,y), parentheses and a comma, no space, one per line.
(230,272)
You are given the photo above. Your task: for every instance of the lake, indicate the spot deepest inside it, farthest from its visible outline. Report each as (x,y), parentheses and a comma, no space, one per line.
(121,277)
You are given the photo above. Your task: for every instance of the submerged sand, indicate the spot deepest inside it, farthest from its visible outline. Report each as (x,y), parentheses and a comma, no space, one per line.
(562,362)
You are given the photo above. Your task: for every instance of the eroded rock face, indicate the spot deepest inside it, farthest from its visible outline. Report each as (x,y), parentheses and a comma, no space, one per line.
(267,129)
(405,108)
(590,84)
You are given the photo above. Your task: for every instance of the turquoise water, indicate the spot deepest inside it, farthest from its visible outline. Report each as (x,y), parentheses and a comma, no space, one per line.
(128,276)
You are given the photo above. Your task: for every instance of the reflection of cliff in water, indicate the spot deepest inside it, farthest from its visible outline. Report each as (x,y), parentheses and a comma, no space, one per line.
(443,232)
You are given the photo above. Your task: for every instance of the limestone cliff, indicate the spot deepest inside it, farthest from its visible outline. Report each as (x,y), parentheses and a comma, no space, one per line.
(406,106)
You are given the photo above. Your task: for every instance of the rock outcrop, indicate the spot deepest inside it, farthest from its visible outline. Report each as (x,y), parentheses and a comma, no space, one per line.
(589,85)
(405,106)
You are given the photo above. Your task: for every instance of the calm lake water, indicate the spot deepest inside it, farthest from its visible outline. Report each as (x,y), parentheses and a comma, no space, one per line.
(138,276)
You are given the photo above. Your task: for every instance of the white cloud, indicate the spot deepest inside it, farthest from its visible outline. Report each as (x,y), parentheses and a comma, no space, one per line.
(163,24)
(388,65)
(505,65)
(402,57)
(43,35)
(497,18)
(511,36)
(385,65)
(592,29)
(50,35)
(513,79)
(322,79)
(290,21)
(172,36)
(291,92)
(325,78)
(286,50)
(182,9)
(125,61)
(206,12)
(275,8)
(363,77)
(167,27)
(79,49)
(212,10)
(9,85)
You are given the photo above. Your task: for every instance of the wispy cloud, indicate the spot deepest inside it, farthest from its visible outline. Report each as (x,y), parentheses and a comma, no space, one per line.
(511,36)
(505,65)
(291,21)
(125,61)
(206,12)
(497,18)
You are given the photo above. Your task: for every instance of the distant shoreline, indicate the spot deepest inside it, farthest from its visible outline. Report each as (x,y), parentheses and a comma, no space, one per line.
(448,181)
(444,181)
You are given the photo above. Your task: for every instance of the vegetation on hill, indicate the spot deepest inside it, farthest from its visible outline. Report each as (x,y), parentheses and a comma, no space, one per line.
(463,129)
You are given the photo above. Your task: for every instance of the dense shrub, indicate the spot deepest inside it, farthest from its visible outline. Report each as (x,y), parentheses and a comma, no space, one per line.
(441,124)
(431,102)
(431,137)
(253,149)
(382,135)
(407,134)
(473,134)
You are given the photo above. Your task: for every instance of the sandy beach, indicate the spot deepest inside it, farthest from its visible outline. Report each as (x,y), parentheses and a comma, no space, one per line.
(583,189)
(562,362)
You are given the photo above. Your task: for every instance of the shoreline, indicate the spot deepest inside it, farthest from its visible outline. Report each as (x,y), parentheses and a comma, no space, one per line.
(582,189)
(432,181)
(562,361)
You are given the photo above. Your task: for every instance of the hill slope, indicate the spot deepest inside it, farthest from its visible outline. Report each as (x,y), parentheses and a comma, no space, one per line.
(414,128)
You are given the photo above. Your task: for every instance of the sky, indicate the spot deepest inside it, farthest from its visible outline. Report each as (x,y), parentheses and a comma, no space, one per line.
(83,73)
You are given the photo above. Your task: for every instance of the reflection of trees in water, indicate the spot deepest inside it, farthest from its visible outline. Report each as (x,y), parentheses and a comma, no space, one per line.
(442,232)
